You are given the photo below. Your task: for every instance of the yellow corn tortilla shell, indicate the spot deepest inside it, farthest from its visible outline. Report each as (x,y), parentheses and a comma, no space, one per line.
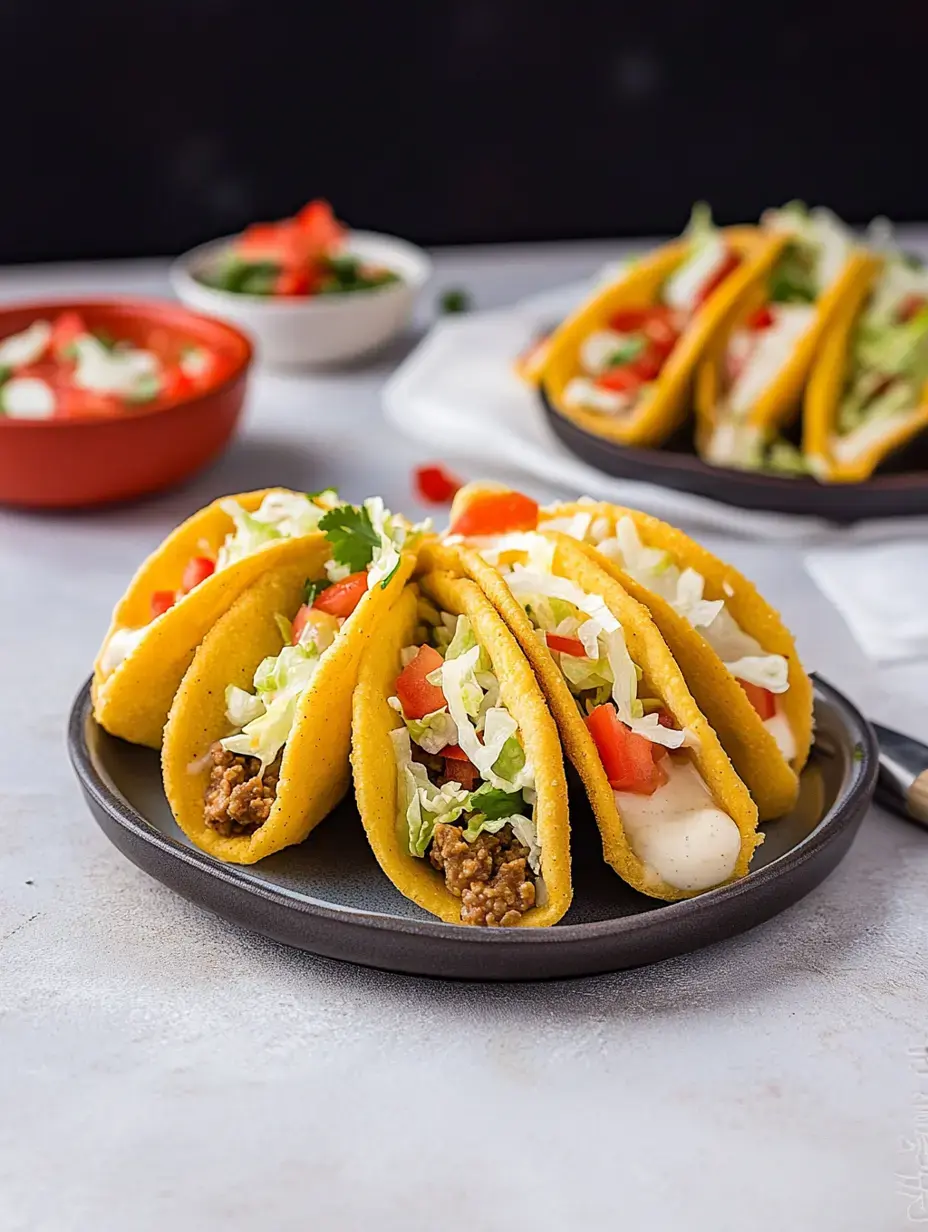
(314,771)
(374,764)
(823,398)
(772,780)
(780,402)
(133,701)
(662,678)
(661,411)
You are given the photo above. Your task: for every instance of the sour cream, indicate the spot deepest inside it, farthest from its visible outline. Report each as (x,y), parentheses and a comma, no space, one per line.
(679,833)
(853,445)
(27,347)
(583,395)
(27,397)
(598,348)
(771,352)
(119,647)
(779,728)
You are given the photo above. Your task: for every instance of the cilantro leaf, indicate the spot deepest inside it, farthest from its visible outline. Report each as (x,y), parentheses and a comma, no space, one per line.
(314,588)
(352,536)
(455,299)
(494,804)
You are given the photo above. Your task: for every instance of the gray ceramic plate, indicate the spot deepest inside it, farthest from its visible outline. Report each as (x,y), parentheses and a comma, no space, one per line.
(898,490)
(330,897)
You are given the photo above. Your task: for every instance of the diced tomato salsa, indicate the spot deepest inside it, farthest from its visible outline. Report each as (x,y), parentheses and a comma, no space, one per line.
(306,255)
(62,368)
(196,570)
(417,695)
(631,762)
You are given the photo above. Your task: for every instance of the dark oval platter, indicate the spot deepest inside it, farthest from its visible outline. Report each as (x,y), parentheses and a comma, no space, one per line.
(329,896)
(892,493)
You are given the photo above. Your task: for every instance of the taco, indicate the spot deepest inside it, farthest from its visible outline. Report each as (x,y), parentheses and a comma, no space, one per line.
(458,770)
(868,392)
(749,384)
(256,745)
(621,366)
(737,656)
(180,592)
(674,817)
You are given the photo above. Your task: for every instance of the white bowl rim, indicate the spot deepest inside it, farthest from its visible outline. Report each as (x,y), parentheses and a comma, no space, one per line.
(182,267)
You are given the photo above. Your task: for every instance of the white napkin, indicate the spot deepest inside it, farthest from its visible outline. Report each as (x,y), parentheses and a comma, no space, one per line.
(882,593)
(458,393)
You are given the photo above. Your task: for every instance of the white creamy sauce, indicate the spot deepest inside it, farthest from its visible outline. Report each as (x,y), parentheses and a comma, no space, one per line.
(581,394)
(27,397)
(685,283)
(782,733)
(733,444)
(771,351)
(854,444)
(119,647)
(679,833)
(597,349)
(26,347)
(113,372)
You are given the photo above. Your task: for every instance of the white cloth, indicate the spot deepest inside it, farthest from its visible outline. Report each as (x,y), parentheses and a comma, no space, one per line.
(882,593)
(458,393)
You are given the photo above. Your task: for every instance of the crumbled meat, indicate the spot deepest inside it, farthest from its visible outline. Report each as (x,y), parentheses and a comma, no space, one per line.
(238,798)
(490,875)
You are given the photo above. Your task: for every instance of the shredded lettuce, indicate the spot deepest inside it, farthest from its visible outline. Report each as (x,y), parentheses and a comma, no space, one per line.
(279,684)
(433,732)
(421,805)
(707,252)
(281,515)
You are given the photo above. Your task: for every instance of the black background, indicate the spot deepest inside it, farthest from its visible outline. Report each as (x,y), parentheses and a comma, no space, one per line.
(142,127)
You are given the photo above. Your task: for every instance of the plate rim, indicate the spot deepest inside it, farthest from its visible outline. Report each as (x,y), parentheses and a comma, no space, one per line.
(844,812)
(899,484)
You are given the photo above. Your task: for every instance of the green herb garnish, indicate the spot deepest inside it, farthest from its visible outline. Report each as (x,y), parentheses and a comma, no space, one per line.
(352,536)
(455,299)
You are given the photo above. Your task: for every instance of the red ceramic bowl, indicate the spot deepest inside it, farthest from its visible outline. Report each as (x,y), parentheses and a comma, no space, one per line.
(90,460)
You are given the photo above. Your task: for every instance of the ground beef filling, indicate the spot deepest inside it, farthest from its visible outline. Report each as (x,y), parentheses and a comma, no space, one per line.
(491,875)
(239,798)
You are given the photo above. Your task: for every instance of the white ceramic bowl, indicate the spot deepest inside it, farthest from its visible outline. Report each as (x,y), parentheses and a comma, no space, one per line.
(318,330)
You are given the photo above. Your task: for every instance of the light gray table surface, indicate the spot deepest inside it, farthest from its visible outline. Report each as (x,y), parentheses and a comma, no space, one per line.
(160,1069)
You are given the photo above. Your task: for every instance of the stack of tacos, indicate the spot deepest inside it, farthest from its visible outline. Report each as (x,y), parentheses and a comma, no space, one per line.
(452,674)
(752,329)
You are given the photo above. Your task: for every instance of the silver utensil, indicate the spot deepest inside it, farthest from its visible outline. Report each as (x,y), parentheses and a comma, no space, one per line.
(902,785)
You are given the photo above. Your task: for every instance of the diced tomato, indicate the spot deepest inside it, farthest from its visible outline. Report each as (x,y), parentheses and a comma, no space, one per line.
(293,282)
(911,306)
(628,759)
(761,699)
(566,645)
(496,513)
(175,383)
(661,335)
(417,696)
(623,380)
(649,363)
(463,772)
(299,623)
(666,719)
(197,570)
(454,752)
(630,320)
(323,627)
(66,327)
(435,485)
(760,318)
(161,601)
(341,598)
(319,225)
(266,241)
(715,280)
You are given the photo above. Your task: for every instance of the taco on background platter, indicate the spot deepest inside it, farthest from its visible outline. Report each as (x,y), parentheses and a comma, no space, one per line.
(750,381)
(621,366)
(256,745)
(674,817)
(179,593)
(868,392)
(458,770)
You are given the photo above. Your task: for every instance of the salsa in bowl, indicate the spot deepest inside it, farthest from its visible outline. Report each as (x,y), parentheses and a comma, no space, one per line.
(106,400)
(310,295)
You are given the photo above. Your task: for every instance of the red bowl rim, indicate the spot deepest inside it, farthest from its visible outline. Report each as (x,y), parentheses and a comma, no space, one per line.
(137,307)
